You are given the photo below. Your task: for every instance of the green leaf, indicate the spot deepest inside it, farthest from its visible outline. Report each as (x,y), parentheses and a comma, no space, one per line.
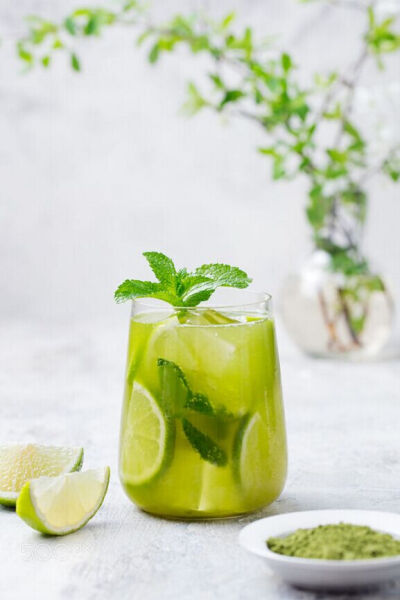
(352,131)
(325,81)
(154,53)
(130,5)
(175,391)
(217,81)
(278,168)
(335,113)
(70,26)
(337,155)
(200,403)
(224,275)
(92,27)
(199,286)
(24,54)
(177,401)
(318,207)
(335,170)
(134,288)
(176,398)
(181,288)
(198,293)
(270,151)
(82,12)
(162,267)
(391,166)
(381,37)
(228,20)
(286,62)
(142,37)
(344,261)
(46,61)
(375,284)
(204,445)
(75,64)
(358,323)
(195,101)
(231,96)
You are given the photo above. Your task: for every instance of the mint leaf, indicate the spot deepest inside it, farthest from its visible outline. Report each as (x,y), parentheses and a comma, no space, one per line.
(176,394)
(200,403)
(199,293)
(224,275)
(207,278)
(181,288)
(204,445)
(175,391)
(163,362)
(162,267)
(193,288)
(134,288)
(177,398)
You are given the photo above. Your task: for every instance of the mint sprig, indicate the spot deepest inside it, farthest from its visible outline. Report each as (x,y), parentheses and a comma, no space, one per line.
(178,401)
(204,445)
(175,391)
(180,287)
(176,395)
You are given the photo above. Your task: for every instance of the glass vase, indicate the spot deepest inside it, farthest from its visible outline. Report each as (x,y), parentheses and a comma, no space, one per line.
(330,315)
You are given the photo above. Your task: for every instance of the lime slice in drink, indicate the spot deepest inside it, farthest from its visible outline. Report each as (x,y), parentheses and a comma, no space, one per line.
(21,462)
(63,504)
(164,342)
(251,454)
(148,439)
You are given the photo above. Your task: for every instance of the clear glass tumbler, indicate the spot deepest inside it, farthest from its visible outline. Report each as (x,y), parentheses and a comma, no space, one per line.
(202,428)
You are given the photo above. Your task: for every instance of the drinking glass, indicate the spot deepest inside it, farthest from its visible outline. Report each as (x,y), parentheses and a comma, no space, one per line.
(202,427)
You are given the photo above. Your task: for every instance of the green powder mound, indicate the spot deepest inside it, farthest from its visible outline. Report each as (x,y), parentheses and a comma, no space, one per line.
(336,542)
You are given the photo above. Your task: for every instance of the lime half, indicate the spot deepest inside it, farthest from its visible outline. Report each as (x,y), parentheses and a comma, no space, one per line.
(63,504)
(147,439)
(21,462)
(251,454)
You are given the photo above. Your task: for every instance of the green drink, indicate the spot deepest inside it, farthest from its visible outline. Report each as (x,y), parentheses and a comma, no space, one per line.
(202,432)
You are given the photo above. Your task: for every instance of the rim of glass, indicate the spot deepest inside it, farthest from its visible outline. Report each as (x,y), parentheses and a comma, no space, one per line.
(151,303)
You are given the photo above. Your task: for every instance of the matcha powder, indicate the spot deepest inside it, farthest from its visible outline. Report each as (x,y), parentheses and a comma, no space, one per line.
(336,542)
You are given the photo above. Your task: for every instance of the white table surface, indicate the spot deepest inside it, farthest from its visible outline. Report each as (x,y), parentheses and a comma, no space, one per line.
(64,384)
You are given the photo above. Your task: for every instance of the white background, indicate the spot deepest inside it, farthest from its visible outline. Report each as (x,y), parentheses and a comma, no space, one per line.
(97,167)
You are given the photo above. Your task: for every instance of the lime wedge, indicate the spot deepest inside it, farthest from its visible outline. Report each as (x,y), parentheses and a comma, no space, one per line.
(21,462)
(147,439)
(251,454)
(63,504)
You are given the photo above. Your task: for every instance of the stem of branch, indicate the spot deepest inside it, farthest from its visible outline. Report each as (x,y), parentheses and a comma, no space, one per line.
(347,317)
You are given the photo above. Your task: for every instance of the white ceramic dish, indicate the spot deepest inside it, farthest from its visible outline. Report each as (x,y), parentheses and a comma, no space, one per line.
(324,574)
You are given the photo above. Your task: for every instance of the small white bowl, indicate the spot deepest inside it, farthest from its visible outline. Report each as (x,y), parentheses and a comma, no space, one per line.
(324,574)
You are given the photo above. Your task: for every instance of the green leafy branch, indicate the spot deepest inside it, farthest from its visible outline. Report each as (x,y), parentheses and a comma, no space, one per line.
(45,38)
(249,79)
(248,82)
